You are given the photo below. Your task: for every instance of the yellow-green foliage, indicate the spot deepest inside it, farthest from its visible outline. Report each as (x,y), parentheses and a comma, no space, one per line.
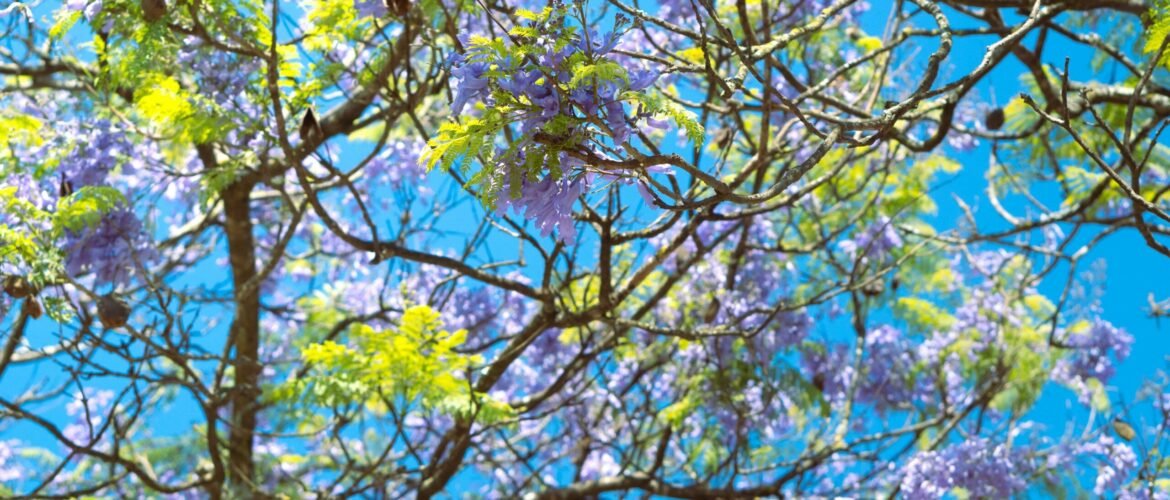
(168,106)
(330,21)
(923,314)
(585,71)
(1020,353)
(28,244)
(1159,28)
(657,103)
(456,140)
(85,207)
(413,366)
(19,128)
(912,189)
(694,55)
(64,19)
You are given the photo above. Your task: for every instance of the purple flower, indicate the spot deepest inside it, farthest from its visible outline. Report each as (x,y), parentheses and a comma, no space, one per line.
(615,117)
(583,98)
(596,44)
(472,83)
(677,10)
(398,163)
(1094,353)
(370,8)
(541,94)
(87,411)
(1117,462)
(548,202)
(599,464)
(642,79)
(876,240)
(983,468)
(96,152)
(91,8)
(112,249)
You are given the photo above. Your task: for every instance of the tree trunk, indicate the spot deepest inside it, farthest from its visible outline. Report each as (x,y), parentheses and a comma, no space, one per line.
(245,333)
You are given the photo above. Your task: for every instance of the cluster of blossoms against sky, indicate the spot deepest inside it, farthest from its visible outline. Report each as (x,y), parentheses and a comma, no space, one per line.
(724,350)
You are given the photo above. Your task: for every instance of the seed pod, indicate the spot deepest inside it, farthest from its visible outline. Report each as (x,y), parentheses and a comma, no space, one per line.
(33,308)
(873,288)
(153,10)
(311,130)
(17,287)
(712,311)
(818,381)
(398,7)
(112,312)
(1123,429)
(995,119)
(66,188)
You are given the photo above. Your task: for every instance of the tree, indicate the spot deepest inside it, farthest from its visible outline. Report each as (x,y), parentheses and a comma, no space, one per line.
(688,249)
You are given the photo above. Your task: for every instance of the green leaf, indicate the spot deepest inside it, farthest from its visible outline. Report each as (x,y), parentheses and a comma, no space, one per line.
(600,71)
(1157,32)
(65,19)
(658,104)
(923,313)
(85,207)
(20,128)
(417,363)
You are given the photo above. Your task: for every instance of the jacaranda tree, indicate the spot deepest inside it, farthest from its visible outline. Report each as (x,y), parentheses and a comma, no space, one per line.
(505,248)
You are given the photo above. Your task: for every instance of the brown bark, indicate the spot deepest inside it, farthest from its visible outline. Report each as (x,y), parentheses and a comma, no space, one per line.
(245,334)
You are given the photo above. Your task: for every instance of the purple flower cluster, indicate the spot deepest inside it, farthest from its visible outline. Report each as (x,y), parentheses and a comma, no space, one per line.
(983,468)
(1093,348)
(546,356)
(875,241)
(545,84)
(397,163)
(549,203)
(220,76)
(472,82)
(97,150)
(970,115)
(1094,354)
(537,90)
(112,250)
(91,8)
(87,412)
(889,368)
(371,8)
(30,190)
(760,283)
(887,371)
(1116,462)
(90,153)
